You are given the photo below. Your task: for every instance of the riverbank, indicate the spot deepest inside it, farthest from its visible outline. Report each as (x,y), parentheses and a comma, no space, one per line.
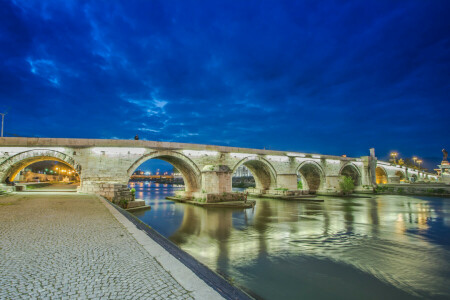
(415,189)
(89,249)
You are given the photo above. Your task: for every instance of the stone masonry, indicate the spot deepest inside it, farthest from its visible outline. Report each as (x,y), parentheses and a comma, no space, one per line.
(70,247)
(105,166)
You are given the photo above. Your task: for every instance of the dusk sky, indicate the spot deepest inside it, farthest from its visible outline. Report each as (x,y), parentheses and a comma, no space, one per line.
(331,77)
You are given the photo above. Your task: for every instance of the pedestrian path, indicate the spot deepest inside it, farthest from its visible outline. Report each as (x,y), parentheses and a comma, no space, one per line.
(71,246)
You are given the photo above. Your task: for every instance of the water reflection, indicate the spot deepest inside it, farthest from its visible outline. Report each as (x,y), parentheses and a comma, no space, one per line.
(385,246)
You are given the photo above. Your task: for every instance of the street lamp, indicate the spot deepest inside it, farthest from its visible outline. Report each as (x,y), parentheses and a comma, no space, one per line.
(415,160)
(3,120)
(394,155)
(419,161)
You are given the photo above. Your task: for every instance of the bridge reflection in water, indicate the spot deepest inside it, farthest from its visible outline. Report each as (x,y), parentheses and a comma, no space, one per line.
(365,248)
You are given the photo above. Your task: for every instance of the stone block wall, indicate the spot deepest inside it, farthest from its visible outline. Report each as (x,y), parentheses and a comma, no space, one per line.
(114,192)
(224,197)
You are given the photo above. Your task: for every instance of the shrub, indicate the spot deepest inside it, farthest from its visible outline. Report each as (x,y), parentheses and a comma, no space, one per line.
(346,184)
(123,203)
(439,191)
(133,193)
(381,189)
(299,185)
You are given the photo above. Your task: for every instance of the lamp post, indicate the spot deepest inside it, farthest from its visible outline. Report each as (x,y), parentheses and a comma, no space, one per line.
(419,161)
(394,155)
(3,121)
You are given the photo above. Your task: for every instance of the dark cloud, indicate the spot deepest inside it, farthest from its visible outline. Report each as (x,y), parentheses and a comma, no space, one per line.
(331,77)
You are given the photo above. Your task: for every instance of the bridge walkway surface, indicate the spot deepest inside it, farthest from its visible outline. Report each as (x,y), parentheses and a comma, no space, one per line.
(72,246)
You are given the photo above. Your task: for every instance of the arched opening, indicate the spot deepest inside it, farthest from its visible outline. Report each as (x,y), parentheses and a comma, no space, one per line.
(41,166)
(175,164)
(351,171)
(243,178)
(310,177)
(400,175)
(381,176)
(261,170)
(414,178)
(156,179)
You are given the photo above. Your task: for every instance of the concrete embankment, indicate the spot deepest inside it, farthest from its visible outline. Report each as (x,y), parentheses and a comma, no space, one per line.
(417,189)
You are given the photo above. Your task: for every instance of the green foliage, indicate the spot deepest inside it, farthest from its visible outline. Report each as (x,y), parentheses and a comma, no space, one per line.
(123,203)
(400,190)
(381,189)
(133,193)
(347,184)
(299,185)
(281,189)
(439,191)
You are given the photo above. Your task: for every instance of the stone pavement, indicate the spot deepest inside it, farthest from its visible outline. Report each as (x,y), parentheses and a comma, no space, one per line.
(70,246)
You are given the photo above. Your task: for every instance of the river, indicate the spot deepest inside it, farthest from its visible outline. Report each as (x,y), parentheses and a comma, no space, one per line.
(392,247)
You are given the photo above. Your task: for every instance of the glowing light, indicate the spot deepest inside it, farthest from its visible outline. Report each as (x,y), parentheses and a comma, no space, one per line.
(278,158)
(118,151)
(200,153)
(295,154)
(15,150)
(241,155)
(333,161)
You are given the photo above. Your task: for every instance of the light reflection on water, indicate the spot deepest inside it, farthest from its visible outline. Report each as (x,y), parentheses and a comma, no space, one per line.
(357,248)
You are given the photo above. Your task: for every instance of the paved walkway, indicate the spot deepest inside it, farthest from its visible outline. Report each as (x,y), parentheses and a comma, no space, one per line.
(65,245)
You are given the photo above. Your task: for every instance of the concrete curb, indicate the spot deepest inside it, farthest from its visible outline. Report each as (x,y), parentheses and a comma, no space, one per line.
(195,277)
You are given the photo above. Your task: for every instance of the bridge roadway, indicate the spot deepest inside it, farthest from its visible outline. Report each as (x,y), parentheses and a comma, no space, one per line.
(105,166)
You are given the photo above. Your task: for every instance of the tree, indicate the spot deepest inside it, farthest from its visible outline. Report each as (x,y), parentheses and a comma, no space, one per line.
(401,162)
(347,184)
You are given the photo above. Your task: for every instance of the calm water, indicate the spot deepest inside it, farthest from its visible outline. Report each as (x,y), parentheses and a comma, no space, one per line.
(391,247)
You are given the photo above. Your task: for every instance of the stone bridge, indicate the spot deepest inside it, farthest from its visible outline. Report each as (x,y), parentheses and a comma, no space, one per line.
(105,166)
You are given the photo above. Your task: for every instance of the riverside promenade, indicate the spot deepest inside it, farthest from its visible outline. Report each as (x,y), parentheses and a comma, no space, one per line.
(70,246)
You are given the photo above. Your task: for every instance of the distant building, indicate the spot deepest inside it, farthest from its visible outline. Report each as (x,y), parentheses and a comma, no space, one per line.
(242,171)
(138,172)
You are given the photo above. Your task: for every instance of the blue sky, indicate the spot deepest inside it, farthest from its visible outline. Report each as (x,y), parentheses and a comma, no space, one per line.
(334,77)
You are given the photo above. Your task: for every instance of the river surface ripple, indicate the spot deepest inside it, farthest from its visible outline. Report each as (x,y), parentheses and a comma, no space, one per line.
(357,248)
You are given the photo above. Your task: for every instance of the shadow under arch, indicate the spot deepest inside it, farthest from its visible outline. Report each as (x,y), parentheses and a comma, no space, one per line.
(352,171)
(312,175)
(189,170)
(263,172)
(14,164)
(381,176)
(401,175)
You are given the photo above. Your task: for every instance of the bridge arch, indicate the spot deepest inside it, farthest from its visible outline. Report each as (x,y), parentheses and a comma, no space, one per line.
(312,175)
(352,171)
(14,164)
(401,175)
(189,170)
(381,176)
(262,170)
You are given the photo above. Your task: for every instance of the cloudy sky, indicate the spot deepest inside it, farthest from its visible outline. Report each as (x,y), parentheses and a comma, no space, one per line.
(334,77)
